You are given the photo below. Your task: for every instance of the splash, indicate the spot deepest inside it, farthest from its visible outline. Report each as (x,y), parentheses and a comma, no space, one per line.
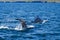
(19,27)
(44,21)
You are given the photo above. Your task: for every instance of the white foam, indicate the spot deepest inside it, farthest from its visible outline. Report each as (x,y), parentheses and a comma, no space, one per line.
(4,27)
(44,21)
(30,26)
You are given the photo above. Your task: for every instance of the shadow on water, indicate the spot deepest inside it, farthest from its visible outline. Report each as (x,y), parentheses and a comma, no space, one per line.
(2,38)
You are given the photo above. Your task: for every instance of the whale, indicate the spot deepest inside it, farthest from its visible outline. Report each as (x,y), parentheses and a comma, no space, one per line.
(23,25)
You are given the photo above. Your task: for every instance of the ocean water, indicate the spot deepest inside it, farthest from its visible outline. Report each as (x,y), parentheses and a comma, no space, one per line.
(49,30)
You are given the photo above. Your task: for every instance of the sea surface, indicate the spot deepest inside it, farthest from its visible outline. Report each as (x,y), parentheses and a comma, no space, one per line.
(49,30)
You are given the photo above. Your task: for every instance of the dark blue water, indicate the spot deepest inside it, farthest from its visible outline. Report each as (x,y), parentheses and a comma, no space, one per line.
(28,11)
